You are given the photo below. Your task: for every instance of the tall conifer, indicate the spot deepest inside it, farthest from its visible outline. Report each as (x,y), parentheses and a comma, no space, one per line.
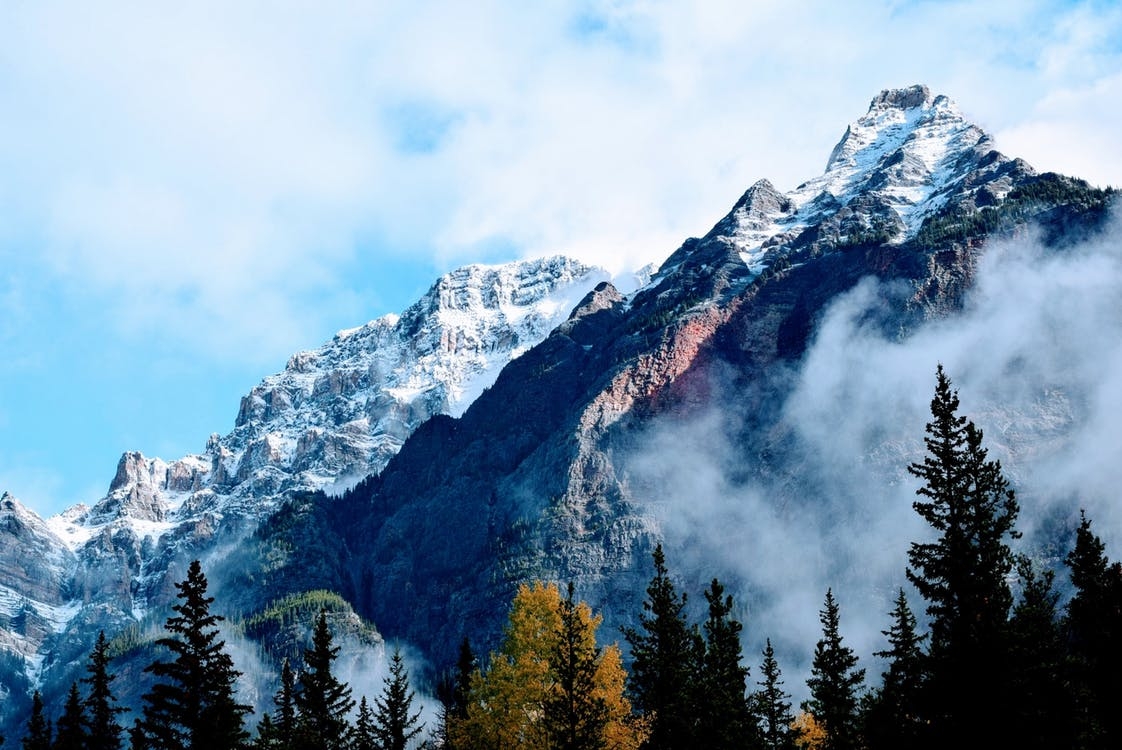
(724,719)
(963,574)
(103,729)
(663,652)
(395,723)
(835,683)
(772,705)
(193,705)
(70,731)
(323,702)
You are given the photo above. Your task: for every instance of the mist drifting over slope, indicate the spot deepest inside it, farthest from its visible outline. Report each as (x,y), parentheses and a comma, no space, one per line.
(1036,355)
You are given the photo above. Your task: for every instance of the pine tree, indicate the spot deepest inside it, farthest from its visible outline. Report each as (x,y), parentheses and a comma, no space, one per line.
(285,724)
(835,683)
(364,737)
(663,662)
(38,735)
(394,724)
(892,713)
(963,573)
(103,729)
(454,692)
(70,732)
(193,706)
(575,715)
(1041,706)
(322,701)
(1093,623)
(771,705)
(724,719)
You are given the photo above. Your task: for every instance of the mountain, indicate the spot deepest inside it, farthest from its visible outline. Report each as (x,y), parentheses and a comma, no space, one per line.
(533,420)
(334,415)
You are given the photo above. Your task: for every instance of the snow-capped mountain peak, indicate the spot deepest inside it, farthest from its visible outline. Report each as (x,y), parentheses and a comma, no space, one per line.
(903,160)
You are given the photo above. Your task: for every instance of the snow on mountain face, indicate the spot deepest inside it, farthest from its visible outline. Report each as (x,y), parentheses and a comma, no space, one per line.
(334,415)
(901,162)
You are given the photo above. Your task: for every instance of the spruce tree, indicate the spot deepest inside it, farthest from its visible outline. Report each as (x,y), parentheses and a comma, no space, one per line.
(1041,713)
(70,732)
(364,737)
(892,713)
(454,692)
(193,706)
(38,734)
(322,701)
(771,705)
(575,715)
(394,723)
(103,729)
(1093,623)
(724,719)
(963,574)
(663,656)
(835,683)
(284,725)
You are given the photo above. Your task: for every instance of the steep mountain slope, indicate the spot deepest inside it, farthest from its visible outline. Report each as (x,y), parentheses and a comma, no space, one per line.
(504,424)
(334,415)
(537,478)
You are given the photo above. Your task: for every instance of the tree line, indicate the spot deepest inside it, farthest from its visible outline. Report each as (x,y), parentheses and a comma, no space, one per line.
(999,662)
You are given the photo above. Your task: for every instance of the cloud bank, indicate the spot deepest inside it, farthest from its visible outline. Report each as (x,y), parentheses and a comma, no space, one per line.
(1036,357)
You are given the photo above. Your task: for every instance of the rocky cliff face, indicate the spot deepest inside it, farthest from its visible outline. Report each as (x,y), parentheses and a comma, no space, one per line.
(497,421)
(334,415)
(536,479)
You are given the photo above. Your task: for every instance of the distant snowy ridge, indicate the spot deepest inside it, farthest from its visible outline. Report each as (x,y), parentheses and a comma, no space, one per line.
(335,414)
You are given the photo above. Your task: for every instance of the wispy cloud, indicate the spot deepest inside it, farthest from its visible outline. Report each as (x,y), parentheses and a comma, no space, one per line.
(1036,356)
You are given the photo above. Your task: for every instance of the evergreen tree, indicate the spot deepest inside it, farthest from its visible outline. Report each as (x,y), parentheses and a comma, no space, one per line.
(266,738)
(1041,707)
(103,729)
(364,735)
(454,692)
(394,725)
(663,663)
(1093,624)
(724,719)
(963,574)
(38,734)
(892,714)
(284,726)
(70,732)
(835,683)
(193,705)
(771,705)
(575,715)
(138,739)
(322,701)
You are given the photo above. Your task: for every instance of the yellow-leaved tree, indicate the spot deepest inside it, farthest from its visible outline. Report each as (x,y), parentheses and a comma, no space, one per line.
(549,685)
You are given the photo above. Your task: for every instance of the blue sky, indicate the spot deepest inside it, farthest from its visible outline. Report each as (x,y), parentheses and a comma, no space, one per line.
(191,192)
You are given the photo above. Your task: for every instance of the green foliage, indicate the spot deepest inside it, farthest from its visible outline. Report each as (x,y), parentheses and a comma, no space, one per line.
(1022,205)
(663,652)
(724,719)
(892,714)
(322,700)
(963,574)
(71,732)
(101,704)
(394,724)
(575,715)
(192,705)
(835,683)
(771,705)
(38,734)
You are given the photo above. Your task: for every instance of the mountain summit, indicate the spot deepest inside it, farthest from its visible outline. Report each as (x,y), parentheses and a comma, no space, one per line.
(422,466)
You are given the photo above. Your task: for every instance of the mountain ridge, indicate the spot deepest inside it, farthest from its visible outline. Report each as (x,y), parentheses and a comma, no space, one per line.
(526,471)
